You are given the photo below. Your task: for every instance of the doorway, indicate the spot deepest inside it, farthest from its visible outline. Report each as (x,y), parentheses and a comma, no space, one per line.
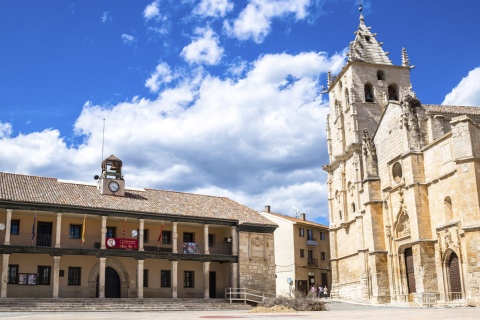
(112,283)
(454,275)
(410,270)
(44,234)
(212,285)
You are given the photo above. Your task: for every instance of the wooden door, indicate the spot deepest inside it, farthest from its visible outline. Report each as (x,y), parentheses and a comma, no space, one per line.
(410,270)
(454,273)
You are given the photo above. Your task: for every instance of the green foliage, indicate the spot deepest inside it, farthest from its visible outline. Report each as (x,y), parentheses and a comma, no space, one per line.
(298,301)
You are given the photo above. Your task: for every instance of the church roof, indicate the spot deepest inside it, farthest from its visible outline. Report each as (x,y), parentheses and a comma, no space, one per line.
(366,48)
(32,191)
(456,110)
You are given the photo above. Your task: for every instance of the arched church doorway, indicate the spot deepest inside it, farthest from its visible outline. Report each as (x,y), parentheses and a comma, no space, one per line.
(454,276)
(112,283)
(410,270)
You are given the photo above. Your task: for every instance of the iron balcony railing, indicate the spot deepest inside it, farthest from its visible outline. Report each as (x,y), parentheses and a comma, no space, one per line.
(312,242)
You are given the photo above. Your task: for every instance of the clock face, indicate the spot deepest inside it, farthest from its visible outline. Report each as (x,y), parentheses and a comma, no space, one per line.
(113,186)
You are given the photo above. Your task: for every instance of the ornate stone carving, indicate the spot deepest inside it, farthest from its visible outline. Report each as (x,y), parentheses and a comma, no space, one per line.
(257,242)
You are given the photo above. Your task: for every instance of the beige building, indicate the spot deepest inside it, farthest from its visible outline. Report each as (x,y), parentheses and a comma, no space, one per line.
(403,183)
(302,253)
(69,239)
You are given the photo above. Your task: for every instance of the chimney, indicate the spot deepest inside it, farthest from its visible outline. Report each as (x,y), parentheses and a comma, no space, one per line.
(267,208)
(302,216)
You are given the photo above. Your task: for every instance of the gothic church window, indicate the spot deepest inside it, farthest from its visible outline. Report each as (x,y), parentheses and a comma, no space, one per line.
(447,204)
(347,99)
(353,207)
(392,92)
(368,93)
(397,173)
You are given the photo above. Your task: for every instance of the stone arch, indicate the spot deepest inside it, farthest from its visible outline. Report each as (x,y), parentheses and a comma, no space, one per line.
(452,275)
(115,265)
(447,206)
(402,225)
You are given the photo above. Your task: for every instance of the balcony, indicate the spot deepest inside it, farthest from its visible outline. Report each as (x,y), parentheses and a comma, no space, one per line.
(312,262)
(312,242)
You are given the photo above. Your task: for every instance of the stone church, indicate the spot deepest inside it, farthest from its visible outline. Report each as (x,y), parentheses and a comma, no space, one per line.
(403,185)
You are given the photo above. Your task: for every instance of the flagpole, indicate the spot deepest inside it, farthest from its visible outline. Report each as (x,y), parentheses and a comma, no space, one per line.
(84,228)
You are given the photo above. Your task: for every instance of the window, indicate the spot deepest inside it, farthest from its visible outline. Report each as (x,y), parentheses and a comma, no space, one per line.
(15,227)
(211,240)
(74,276)
(322,255)
(380,75)
(301,232)
(310,257)
(368,93)
(44,275)
(111,232)
(166,237)
(145,278)
(302,253)
(165,278)
(353,207)
(309,234)
(188,237)
(188,279)
(146,235)
(447,204)
(322,235)
(13,273)
(367,38)
(75,231)
(392,92)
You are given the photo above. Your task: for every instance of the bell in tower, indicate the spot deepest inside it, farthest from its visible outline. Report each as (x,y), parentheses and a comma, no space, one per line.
(111,181)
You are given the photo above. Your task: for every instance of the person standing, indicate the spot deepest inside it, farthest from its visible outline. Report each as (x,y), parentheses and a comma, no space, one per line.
(325,292)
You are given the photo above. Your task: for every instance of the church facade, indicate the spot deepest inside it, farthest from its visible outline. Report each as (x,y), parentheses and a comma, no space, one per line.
(67,239)
(403,185)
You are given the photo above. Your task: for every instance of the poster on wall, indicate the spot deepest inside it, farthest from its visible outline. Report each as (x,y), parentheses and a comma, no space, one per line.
(32,278)
(23,278)
(27,278)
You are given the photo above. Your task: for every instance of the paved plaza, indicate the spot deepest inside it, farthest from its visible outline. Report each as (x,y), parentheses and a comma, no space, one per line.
(337,311)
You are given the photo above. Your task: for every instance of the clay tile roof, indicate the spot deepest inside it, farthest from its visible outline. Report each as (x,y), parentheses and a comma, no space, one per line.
(39,191)
(297,220)
(457,110)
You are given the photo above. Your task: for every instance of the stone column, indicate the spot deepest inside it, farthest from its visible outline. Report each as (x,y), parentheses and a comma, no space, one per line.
(234,275)
(140,278)
(174,279)
(104,232)
(206,280)
(205,238)
(56,275)
(59,230)
(175,238)
(101,277)
(141,237)
(3,290)
(234,240)
(8,226)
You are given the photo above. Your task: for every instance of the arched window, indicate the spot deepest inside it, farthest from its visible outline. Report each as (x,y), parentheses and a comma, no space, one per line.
(353,207)
(380,75)
(392,92)
(447,205)
(368,93)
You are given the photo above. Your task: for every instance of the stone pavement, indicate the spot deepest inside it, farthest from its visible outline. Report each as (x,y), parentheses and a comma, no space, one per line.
(336,311)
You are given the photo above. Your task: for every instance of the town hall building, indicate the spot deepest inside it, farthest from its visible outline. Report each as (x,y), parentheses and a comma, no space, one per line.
(403,185)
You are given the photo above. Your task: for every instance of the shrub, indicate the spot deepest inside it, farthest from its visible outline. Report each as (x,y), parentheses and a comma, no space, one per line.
(298,301)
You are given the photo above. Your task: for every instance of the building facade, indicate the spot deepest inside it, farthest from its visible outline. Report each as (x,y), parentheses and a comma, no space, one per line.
(74,240)
(302,253)
(403,185)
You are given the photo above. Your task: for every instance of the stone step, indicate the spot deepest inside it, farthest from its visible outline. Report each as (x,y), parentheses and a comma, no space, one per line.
(52,305)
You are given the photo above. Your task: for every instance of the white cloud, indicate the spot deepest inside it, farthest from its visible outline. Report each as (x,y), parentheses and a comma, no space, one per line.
(259,139)
(106,17)
(152,10)
(204,49)
(128,39)
(213,8)
(161,75)
(467,92)
(255,20)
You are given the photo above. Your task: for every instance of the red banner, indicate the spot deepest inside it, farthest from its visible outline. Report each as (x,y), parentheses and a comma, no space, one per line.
(119,243)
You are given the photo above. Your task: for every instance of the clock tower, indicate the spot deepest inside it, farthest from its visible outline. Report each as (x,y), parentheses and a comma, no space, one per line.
(111,181)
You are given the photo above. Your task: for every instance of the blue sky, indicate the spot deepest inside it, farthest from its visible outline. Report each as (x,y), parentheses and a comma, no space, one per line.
(217,97)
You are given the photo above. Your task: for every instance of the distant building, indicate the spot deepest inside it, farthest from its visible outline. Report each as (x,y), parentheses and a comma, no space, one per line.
(69,239)
(302,253)
(403,185)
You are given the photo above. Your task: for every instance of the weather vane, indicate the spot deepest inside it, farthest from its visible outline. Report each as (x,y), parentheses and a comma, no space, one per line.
(360,6)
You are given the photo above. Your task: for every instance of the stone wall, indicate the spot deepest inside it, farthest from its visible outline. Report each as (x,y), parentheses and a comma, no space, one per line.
(257,261)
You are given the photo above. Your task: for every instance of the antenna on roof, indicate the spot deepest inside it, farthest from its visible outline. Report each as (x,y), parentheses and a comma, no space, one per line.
(103,138)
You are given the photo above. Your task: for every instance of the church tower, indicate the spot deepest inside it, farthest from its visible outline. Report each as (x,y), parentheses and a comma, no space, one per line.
(358,96)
